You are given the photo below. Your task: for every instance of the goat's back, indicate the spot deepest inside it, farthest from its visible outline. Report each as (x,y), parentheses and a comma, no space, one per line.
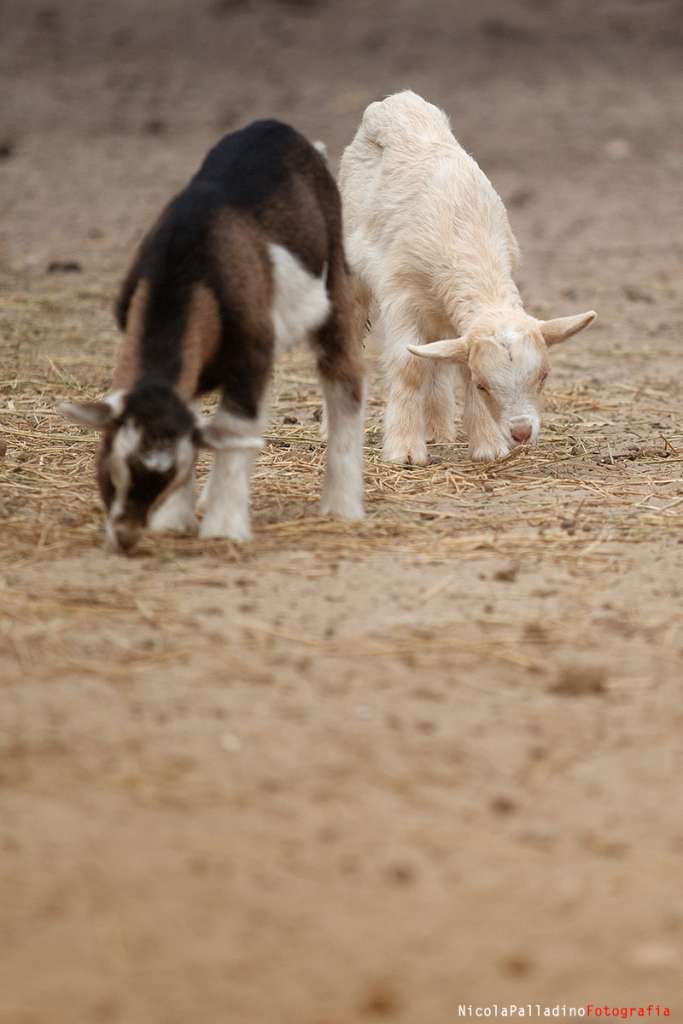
(411,192)
(262,185)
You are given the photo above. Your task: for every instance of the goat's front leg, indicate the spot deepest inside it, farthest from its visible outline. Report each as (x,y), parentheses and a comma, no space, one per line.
(485,438)
(176,512)
(408,379)
(440,411)
(227,496)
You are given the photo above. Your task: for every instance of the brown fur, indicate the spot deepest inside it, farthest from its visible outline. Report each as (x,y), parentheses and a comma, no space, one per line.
(128,363)
(201,340)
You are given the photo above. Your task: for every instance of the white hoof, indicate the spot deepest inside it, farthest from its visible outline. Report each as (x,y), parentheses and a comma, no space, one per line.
(414,454)
(175,515)
(347,507)
(441,435)
(220,528)
(489,453)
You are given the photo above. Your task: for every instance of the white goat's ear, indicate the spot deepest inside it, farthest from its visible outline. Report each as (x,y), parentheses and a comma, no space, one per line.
(94,414)
(455,350)
(209,435)
(563,327)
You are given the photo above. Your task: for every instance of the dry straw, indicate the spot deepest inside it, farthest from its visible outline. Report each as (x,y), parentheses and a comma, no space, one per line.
(607,475)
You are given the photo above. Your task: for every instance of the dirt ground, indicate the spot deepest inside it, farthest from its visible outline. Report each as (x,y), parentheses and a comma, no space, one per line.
(366,773)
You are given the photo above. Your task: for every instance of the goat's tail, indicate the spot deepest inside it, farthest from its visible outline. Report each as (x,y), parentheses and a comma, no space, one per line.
(376,124)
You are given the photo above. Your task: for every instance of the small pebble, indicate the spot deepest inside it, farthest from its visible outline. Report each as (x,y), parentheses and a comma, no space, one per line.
(154,126)
(64,267)
(503,805)
(517,965)
(402,874)
(580,681)
(508,574)
(635,294)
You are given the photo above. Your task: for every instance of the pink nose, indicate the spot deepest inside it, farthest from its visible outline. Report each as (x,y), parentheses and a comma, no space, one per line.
(521,431)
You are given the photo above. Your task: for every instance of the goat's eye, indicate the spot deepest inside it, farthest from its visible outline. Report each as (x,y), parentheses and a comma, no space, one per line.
(482,387)
(542,379)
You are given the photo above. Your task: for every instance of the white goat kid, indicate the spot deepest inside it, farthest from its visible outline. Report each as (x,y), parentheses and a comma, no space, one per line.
(429,240)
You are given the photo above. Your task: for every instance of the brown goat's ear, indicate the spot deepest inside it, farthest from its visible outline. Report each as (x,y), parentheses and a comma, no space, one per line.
(89,414)
(563,327)
(455,350)
(94,414)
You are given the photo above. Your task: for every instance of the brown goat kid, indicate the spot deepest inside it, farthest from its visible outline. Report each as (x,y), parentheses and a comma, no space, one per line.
(245,262)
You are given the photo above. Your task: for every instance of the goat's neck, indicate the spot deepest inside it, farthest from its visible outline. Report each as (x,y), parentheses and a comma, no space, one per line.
(482,285)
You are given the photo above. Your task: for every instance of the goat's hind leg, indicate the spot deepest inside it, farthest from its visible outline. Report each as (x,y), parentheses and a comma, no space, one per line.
(359,300)
(341,373)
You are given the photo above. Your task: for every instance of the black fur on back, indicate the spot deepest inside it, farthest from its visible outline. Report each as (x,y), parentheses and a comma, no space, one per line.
(271,174)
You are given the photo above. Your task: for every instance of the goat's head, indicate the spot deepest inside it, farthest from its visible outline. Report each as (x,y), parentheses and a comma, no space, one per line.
(507,358)
(150,439)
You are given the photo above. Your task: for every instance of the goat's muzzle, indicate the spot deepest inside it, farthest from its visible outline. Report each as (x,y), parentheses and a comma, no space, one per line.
(521,430)
(123,536)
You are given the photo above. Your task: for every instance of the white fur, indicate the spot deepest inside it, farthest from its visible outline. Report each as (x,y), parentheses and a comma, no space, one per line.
(243,434)
(116,400)
(175,514)
(126,442)
(157,461)
(343,488)
(300,300)
(227,499)
(174,511)
(429,239)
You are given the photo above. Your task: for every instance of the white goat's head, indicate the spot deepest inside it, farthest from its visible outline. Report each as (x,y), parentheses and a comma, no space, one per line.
(507,358)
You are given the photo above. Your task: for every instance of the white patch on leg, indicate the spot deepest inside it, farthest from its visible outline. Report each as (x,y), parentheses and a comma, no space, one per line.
(245,431)
(343,487)
(227,496)
(300,300)
(176,513)
(126,441)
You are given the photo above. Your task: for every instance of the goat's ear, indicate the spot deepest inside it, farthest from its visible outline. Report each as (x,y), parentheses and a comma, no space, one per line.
(455,350)
(209,434)
(563,327)
(93,414)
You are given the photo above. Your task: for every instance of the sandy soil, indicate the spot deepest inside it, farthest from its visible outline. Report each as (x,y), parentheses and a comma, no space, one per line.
(346,774)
